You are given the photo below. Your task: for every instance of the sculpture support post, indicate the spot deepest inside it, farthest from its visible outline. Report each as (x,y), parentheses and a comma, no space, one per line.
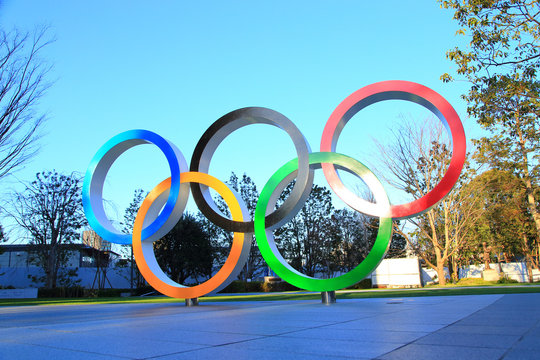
(192,302)
(328,297)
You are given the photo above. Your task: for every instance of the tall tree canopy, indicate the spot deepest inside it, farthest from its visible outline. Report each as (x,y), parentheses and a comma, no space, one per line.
(50,210)
(247,190)
(502,63)
(186,251)
(308,240)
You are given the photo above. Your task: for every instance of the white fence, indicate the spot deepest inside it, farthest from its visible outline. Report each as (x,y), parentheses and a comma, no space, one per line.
(516,271)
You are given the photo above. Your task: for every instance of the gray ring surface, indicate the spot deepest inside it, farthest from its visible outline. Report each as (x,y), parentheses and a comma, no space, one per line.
(217,132)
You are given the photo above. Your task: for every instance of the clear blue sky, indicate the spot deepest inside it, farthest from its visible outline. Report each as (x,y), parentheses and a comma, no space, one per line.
(174,67)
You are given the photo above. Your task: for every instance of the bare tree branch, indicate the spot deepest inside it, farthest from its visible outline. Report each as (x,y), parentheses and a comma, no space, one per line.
(22,84)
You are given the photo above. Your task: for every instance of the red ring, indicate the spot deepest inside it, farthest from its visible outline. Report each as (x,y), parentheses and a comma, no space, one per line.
(401,90)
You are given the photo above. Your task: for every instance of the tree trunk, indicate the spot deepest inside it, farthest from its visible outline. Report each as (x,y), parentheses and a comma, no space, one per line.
(531,201)
(440,267)
(538,257)
(454,269)
(441,274)
(529,268)
(51,264)
(528,256)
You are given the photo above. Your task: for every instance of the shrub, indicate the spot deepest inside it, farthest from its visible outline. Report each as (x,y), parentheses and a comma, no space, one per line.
(506,280)
(238,286)
(278,286)
(62,292)
(109,292)
(143,290)
(363,284)
(254,286)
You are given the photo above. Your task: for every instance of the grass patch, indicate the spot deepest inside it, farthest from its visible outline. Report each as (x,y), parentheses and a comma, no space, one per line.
(465,282)
(445,291)
(295,295)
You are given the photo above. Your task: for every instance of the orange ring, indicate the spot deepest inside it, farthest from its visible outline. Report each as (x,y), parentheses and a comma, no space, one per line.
(144,252)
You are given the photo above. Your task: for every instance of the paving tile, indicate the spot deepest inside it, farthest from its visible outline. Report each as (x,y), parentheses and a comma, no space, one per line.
(484,329)
(454,327)
(400,337)
(474,340)
(441,352)
(369,324)
(9,351)
(522,354)
(535,331)
(324,349)
(135,347)
(172,334)
(530,342)
(498,321)
(223,352)
(23,333)
(247,328)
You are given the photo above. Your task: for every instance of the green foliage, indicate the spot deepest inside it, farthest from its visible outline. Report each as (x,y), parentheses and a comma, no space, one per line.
(278,287)
(186,251)
(364,284)
(62,292)
(222,240)
(504,222)
(143,290)
(50,211)
(309,241)
(506,280)
(354,235)
(502,33)
(76,291)
(239,286)
(502,64)
(247,190)
(130,213)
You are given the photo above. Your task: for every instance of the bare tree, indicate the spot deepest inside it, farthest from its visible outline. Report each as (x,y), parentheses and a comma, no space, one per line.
(50,211)
(22,83)
(417,161)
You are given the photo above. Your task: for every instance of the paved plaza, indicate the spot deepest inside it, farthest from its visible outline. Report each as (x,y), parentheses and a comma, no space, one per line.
(434,328)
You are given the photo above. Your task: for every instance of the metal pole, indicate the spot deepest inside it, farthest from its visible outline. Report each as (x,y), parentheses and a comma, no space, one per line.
(328,297)
(192,302)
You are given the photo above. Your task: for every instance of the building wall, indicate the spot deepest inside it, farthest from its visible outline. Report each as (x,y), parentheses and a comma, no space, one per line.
(17,259)
(18,277)
(13,259)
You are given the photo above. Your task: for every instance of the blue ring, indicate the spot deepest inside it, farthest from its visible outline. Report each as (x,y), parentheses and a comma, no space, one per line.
(101,163)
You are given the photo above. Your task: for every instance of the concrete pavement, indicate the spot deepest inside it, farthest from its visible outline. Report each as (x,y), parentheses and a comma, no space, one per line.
(449,327)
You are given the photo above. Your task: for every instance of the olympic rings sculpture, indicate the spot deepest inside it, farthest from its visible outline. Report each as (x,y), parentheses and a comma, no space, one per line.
(164,205)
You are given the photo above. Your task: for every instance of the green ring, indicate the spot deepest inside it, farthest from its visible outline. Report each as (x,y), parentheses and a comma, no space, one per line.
(278,264)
